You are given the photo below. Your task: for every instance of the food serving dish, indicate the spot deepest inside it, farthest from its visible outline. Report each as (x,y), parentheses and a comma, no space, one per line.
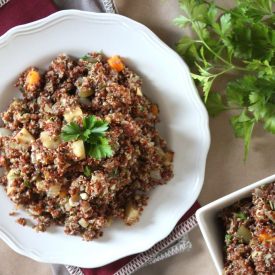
(184,124)
(211,228)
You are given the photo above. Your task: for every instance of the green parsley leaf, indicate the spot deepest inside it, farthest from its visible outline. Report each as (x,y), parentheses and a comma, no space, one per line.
(225,23)
(70,132)
(269,124)
(214,104)
(92,133)
(238,42)
(181,21)
(99,149)
(100,127)
(243,127)
(88,122)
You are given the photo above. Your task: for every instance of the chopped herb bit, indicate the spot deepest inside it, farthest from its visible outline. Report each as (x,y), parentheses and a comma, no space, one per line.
(88,58)
(241,216)
(114,172)
(92,133)
(141,108)
(27,183)
(87,171)
(102,86)
(228,238)
(21,89)
(272,205)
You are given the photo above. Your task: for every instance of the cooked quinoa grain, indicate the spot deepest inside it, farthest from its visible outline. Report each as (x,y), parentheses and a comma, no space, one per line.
(21,221)
(73,182)
(250,234)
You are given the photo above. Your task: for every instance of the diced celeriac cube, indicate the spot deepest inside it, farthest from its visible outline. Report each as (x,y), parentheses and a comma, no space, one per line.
(49,141)
(85,92)
(83,223)
(84,88)
(84,196)
(68,207)
(73,203)
(54,190)
(131,214)
(139,92)
(40,185)
(5,132)
(24,137)
(73,114)
(78,149)
(12,175)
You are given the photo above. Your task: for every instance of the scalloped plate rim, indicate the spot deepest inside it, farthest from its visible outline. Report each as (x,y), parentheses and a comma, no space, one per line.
(131,24)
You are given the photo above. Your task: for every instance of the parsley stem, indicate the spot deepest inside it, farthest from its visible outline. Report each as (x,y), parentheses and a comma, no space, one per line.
(231,66)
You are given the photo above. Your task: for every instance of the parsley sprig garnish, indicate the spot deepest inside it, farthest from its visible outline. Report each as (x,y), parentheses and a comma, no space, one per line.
(92,133)
(240,42)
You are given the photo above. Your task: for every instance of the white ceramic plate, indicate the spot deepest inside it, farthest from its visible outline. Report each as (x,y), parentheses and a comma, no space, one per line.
(184,124)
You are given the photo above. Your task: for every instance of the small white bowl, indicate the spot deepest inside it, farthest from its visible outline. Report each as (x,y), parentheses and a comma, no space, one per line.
(210,227)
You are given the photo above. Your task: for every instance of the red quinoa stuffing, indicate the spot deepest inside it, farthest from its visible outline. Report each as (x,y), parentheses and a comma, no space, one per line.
(250,234)
(80,148)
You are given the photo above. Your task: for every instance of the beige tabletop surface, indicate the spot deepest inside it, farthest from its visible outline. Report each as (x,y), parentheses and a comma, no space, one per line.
(225,169)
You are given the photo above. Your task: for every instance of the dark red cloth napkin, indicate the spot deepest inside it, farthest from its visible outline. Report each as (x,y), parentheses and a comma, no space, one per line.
(17,12)
(110,269)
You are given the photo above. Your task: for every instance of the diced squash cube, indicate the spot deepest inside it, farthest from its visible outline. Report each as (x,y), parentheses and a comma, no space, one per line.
(79,149)
(49,141)
(72,114)
(24,137)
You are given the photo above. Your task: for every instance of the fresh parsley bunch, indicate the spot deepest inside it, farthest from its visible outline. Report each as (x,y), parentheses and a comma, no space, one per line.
(226,41)
(92,133)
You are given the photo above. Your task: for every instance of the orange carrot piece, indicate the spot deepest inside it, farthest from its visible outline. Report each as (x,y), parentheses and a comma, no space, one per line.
(116,63)
(33,78)
(154,109)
